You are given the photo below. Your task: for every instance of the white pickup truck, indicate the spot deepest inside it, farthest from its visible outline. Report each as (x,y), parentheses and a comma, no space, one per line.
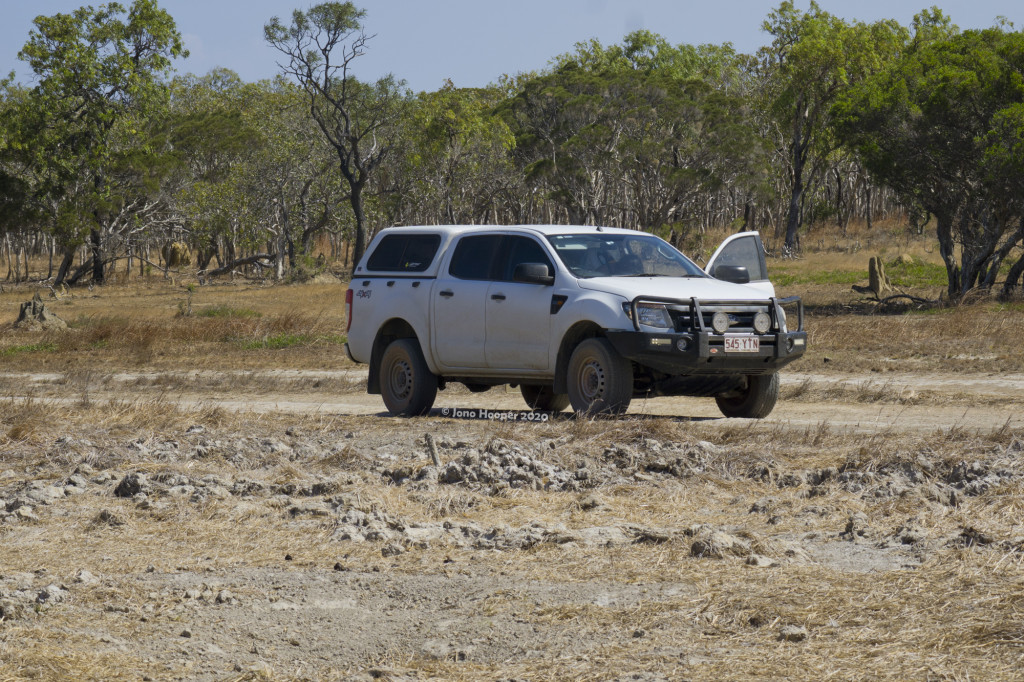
(583,316)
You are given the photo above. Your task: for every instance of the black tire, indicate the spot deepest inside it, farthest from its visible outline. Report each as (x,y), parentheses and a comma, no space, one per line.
(544,398)
(406,383)
(756,401)
(478,388)
(600,380)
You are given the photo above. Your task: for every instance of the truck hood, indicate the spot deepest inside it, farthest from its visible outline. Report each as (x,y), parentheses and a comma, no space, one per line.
(673,287)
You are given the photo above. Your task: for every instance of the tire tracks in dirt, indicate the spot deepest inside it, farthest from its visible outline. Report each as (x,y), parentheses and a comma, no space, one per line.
(1000,398)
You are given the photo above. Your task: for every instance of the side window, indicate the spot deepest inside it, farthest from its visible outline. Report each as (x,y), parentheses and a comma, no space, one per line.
(474,256)
(404,253)
(518,250)
(744,251)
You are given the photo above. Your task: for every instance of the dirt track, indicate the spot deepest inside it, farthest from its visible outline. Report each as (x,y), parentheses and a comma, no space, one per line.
(866,403)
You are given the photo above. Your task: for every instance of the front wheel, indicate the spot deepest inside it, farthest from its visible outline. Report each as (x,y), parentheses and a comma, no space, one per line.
(406,383)
(600,380)
(544,398)
(756,401)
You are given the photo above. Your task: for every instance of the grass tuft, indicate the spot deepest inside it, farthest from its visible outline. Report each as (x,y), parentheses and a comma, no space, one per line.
(228,311)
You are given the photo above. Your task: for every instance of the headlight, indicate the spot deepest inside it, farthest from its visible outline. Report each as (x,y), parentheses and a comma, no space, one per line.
(762,323)
(654,315)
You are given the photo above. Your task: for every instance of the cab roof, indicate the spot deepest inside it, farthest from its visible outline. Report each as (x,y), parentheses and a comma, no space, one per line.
(543,230)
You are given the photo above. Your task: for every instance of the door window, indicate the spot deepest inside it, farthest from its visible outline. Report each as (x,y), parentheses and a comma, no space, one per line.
(745,251)
(518,250)
(474,256)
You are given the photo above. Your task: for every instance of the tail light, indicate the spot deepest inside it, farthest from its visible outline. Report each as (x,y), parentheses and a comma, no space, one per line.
(348,310)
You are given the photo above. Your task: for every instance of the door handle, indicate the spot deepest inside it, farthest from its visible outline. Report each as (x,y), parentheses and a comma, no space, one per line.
(497,297)
(447,293)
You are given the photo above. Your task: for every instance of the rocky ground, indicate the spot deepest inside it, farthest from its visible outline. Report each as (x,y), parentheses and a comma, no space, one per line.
(159,540)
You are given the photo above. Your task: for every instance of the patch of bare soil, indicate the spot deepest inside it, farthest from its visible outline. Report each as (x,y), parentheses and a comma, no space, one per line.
(158,526)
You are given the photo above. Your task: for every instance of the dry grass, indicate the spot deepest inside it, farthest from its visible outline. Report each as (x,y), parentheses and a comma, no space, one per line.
(139,326)
(952,612)
(643,607)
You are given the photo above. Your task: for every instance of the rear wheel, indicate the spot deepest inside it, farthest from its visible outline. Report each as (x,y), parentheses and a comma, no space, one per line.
(544,398)
(756,401)
(600,380)
(406,383)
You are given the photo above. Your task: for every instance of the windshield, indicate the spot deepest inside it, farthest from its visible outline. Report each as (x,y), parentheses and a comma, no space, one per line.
(622,255)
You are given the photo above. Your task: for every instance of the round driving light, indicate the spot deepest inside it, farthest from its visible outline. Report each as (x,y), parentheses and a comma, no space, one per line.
(682,344)
(720,322)
(762,323)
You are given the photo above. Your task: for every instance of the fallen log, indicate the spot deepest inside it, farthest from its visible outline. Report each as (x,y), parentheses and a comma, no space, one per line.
(248,260)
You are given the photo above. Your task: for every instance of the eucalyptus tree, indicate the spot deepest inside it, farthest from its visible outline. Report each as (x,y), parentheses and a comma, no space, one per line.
(359,120)
(291,173)
(813,59)
(19,207)
(636,134)
(458,154)
(944,127)
(209,136)
(100,75)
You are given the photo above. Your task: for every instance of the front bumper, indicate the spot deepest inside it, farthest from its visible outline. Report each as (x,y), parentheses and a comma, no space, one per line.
(699,350)
(704,352)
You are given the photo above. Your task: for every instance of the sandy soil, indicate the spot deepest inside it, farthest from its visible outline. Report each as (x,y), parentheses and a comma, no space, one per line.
(297,533)
(974,402)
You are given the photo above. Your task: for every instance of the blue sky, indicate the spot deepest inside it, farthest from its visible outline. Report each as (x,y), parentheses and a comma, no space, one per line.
(473,42)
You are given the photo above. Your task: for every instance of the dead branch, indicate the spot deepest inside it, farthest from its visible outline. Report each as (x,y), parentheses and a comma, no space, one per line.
(248,260)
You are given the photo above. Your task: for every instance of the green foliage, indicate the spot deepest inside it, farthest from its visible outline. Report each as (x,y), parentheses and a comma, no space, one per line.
(844,278)
(654,120)
(287,340)
(916,274)
(305,268)
(42,347)
(99,86)
(812,61)
(360,121)
(944,127)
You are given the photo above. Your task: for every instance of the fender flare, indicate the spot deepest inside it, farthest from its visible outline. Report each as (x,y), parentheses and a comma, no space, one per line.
(572,338)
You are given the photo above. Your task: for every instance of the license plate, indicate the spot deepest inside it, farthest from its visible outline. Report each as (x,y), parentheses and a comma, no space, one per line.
(741,343)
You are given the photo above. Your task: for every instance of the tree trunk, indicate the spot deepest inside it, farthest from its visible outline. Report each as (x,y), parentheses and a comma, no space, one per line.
(356,199)
(279,256)
(944,231)
(65,264)
(82,269)
(867,200)
(96,245)
(1012,278)
(793,217)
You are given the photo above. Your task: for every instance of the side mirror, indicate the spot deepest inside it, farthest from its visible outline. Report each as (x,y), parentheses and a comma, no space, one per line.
(533,273)
(733,273)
